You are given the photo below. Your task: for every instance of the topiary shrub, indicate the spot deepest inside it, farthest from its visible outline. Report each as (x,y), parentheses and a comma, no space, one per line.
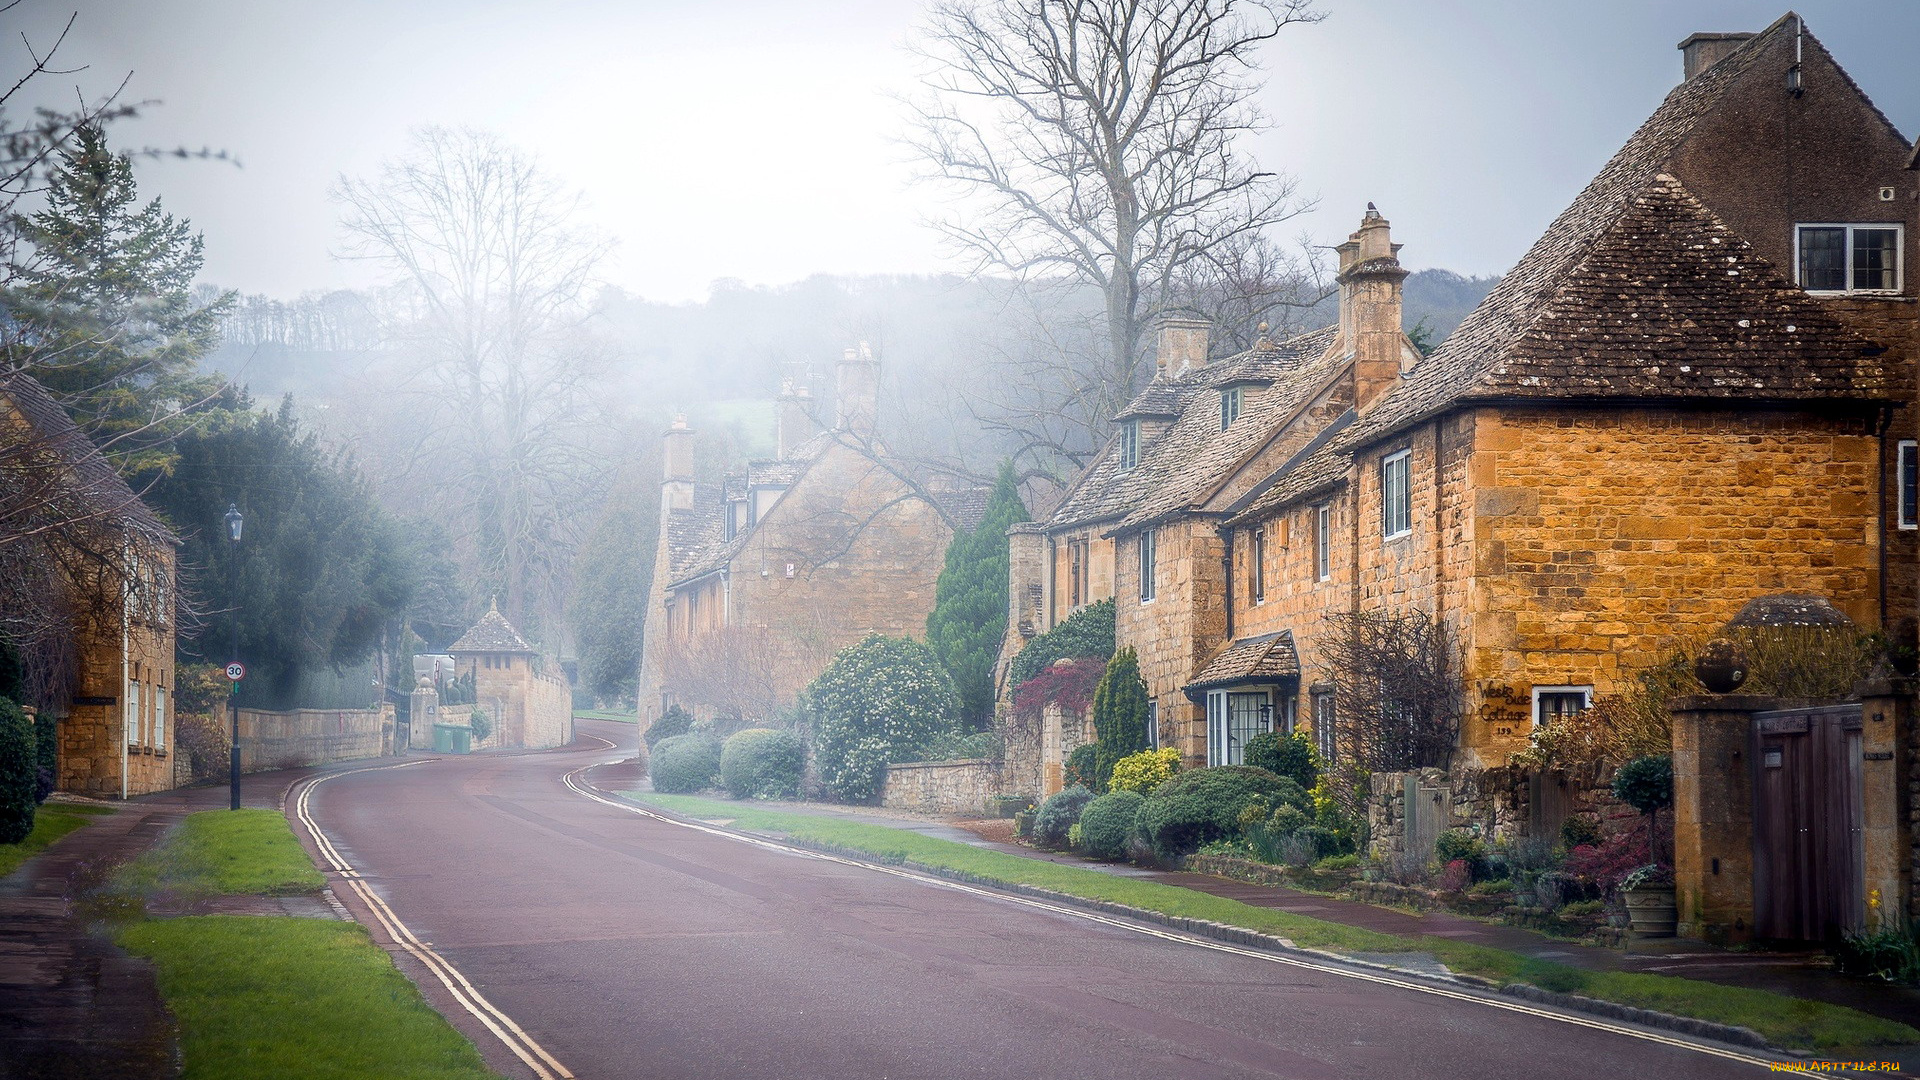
(1086,633)
(1058,814)
(1199,807)
(481,723)
(762,763)
(1119,714)
(1646,784)
(879,701)
(1291,756)
(1082,766)
(18,768)
(1106,824)
(675,721)
(1143,772)
(685,764)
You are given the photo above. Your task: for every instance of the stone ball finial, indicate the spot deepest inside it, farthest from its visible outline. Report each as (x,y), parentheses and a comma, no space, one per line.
(1721,666)
(424,681)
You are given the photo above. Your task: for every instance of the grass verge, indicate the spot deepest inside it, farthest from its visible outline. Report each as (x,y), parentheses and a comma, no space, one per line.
(234,852)
(295,998)
(1790,1022)
(50,822)
(605,714)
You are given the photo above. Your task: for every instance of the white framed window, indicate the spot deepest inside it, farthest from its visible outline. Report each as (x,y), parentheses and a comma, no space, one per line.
(1396,495)
(1323,541)
(1257,573)
(1552,703)
(1908,478)
(1320,701)
(133,714)
(1153,725)
(1234,717)
(1129,445)
(1079,554)
(1836,257)
(159,718)
(1230,401)
(1149,558)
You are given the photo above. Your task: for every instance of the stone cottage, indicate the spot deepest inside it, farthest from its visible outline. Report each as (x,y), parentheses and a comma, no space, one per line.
(1689,393)
(526,693)
(116,560)
(761,578)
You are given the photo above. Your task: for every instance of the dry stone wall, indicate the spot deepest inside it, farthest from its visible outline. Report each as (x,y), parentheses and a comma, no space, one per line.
(941,787)
(286,740)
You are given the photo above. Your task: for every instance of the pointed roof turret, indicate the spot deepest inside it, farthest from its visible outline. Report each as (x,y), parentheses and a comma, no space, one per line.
(492,634)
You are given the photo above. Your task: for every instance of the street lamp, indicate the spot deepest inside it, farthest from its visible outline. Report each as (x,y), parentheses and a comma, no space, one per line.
(234,522)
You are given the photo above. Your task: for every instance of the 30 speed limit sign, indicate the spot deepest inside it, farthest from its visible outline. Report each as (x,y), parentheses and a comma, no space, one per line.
(236,671)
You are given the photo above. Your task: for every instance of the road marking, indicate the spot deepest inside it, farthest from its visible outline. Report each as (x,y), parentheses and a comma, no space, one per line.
(517,1040)
(572,781)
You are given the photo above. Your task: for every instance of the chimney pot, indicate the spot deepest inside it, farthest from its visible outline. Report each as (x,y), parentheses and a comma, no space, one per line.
(1370,332)
(1701,51)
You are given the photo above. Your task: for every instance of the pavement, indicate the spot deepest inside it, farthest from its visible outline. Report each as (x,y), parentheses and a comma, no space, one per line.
(604,943)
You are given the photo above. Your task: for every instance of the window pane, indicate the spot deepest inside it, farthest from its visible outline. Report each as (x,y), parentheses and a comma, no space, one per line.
(1147,559)
(1823,259)
(1909,484)
(1396,509)
(1323,542)
(1875,256)
(1244,720)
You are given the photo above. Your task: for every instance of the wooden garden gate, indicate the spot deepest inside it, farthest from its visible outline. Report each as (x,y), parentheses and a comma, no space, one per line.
(1808,867)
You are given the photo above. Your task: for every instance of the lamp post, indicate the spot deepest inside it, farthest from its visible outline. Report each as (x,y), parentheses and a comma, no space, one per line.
(234,670)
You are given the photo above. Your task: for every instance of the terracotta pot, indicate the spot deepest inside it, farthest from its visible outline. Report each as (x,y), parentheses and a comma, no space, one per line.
(1651,911)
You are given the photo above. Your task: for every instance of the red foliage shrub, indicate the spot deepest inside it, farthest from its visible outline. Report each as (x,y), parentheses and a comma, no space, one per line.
(1456,877)
(1069,685)
(1600,867)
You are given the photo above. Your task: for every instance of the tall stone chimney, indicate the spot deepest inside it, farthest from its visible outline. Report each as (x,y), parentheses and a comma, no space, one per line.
(1701,51)
(1370,277)
(676,454)
(856,391)
(1180,344)
(796,417)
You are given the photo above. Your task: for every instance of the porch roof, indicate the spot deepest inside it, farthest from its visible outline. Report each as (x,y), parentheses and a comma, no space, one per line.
(1264,659)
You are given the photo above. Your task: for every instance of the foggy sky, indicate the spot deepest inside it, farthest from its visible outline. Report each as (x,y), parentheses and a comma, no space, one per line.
(753,140)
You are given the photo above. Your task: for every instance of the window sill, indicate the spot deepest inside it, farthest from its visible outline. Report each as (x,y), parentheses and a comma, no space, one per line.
(1401,535)
(1858,294)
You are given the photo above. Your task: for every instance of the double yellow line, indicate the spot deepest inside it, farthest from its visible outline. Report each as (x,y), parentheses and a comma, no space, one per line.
(1378,978)
(471,999)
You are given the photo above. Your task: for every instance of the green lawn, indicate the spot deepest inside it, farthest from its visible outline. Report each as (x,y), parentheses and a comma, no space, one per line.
(248,852)
(604,714)
(1786,1021)
(295,998)
(51,822)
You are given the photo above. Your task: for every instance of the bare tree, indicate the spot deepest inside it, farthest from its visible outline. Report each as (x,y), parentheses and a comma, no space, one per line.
(1094,144)
(494,362)
(1396,689)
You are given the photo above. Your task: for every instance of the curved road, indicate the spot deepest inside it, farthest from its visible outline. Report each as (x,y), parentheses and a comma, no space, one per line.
(624,946)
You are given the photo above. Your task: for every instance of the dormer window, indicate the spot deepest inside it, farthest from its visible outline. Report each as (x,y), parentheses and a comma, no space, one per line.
(1129,445)
(1849,258)
(1229,406)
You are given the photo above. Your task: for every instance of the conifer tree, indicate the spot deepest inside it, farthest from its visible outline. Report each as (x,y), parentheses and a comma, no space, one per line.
(969,616)
(1119,713)
(103,310)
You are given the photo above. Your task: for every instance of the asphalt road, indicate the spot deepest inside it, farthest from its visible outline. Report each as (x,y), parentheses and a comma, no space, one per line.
(629,947)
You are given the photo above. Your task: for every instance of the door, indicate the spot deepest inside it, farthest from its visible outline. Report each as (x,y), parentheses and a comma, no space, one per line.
(1808,857)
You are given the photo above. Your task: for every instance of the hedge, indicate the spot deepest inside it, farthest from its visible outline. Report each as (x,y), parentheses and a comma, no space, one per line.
(762,763)
(19,770)
(1059,813)
(1196,808)
(1106,825)
(685,764)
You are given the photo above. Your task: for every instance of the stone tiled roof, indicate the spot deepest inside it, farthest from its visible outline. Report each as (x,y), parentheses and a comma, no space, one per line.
(1267,658)
(492,634)
(696,534)
(1789,609)
(100,485)
(1192,455)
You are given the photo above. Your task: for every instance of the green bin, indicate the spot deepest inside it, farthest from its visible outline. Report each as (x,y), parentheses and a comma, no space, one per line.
(452,739)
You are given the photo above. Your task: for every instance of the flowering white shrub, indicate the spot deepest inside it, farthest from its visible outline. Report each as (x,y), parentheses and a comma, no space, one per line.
(879,701)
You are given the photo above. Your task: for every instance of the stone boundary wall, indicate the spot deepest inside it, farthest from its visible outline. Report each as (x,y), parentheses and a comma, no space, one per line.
(549,705)
(286,740)
(1495,803)
(942,787)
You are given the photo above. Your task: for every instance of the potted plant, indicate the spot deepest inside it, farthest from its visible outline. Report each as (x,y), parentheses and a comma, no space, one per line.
(1648,892)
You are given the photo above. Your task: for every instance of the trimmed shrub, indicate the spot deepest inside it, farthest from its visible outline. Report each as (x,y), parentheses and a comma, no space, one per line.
(1291,756)
(1119,714)
(685,764)
(1145,771)
(481,723)
(1081,766)
(1107,824)
(1086,633)
(969,616)
(879,701)
(762,763)
(1058,814)
(19,765)
(675,721)
(1199,807)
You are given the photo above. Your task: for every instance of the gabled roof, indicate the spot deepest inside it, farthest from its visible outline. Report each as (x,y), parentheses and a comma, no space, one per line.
(1183,464)
(99,485)
(1263,659)
(492,634)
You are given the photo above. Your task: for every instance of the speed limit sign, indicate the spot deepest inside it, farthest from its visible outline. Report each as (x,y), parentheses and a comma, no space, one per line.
(236,671)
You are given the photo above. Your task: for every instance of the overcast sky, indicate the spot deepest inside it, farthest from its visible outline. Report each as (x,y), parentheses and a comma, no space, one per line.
(753,139)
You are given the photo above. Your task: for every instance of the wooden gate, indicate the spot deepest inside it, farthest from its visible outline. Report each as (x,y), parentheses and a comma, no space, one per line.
(1549,802)
(1807,855)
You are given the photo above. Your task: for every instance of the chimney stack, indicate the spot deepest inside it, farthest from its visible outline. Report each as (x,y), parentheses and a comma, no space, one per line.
(677,465)
(1370,277)
(796,417)
(857,392)
(1701,51)
(1180,345)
